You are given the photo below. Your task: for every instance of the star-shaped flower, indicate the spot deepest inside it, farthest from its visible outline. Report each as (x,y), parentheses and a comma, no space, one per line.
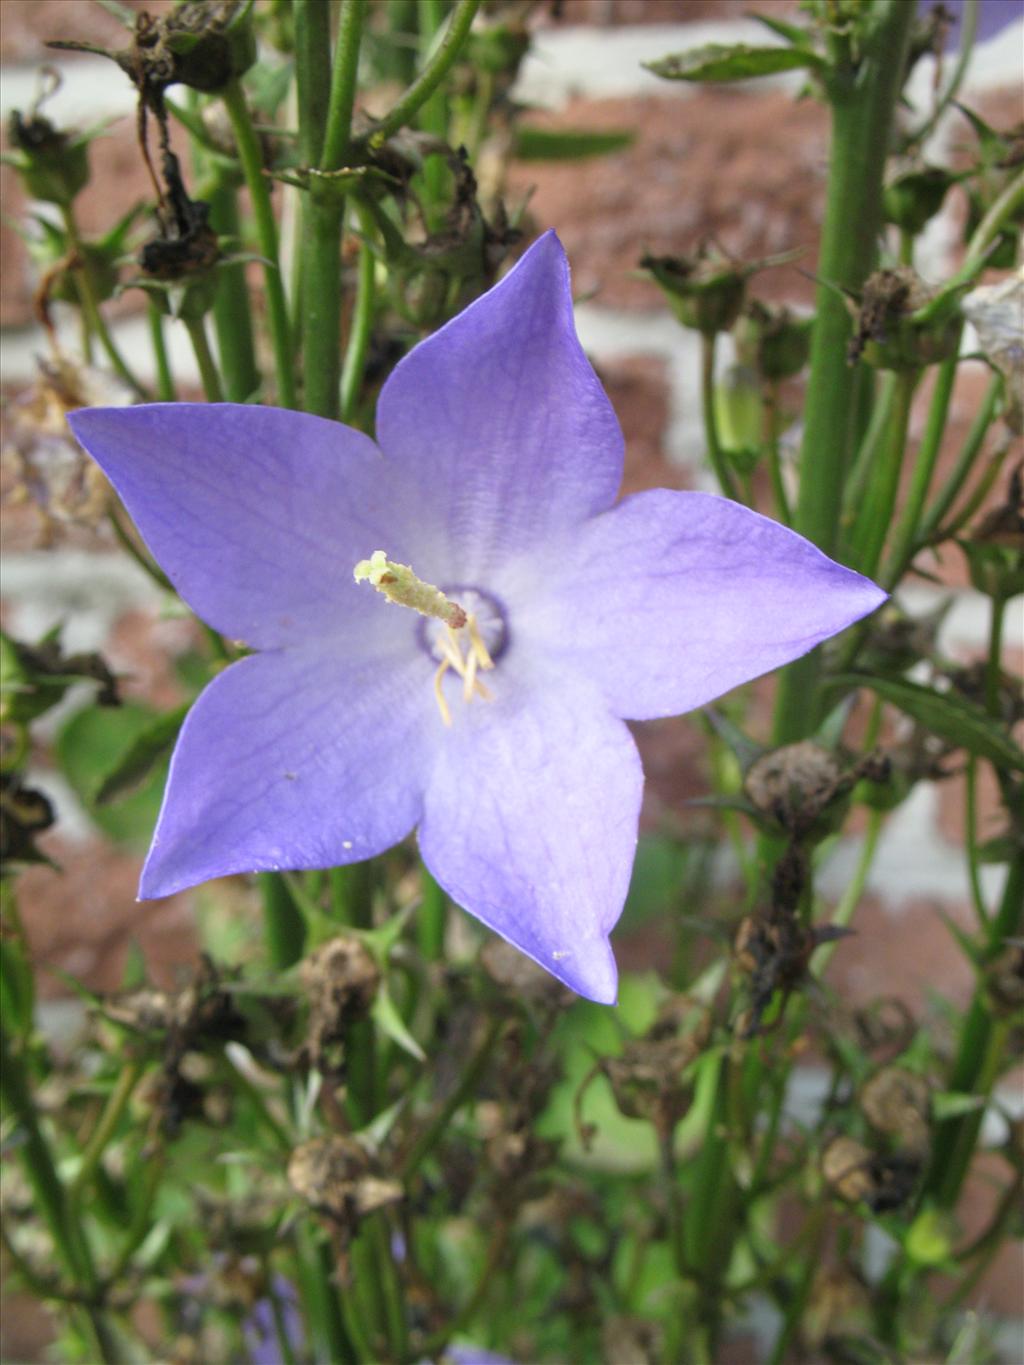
(495,724)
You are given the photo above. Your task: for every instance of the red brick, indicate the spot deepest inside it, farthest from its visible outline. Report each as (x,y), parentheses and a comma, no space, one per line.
(27,25)
(747,169)
(638,389)
(902,951)
(82,919)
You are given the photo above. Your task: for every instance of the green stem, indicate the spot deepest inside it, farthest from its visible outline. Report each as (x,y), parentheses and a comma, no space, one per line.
(432,74)
(798,1300)
(389,1287)
(971,840)
(232,316)
(708,1222)
(714,445)
(968,29)
(770,411)
(149,566)
(993,668)
(867,452)
(874,516)
(430,922)
(843,913)
(361,326)
(964,461)
(284,927)
(208,371)
(105,1129)
(337,138)
(991,469)
(978,1057)
(325,102)
(904,538)
(91,308)
(863,97)
(433,116)
(467,1084)
(165,391)
(251,156)
(68,1235)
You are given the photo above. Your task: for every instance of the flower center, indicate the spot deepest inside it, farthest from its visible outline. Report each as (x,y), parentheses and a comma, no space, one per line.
(464,636)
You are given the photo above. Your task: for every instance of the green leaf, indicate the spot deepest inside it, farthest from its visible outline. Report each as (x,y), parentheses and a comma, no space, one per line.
(568,144)
(738,62)
(389,1021)
(951,717)
(92,743)
(141,757)
(799,37)
(952,1104)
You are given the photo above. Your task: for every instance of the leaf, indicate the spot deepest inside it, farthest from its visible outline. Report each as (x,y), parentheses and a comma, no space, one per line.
(568,144)
(951,717)
(952,1104)
(738,62)
(91,743)
(389,1021)
(799,37)
(143,754)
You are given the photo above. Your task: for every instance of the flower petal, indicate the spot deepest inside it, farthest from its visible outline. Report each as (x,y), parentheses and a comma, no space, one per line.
(500,415)
(530,824)
(257,515)
(295,759)
(671,599)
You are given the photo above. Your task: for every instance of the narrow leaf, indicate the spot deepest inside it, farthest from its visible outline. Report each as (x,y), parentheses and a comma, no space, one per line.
(739,62)
(951,717)
(568,144)
(142,756)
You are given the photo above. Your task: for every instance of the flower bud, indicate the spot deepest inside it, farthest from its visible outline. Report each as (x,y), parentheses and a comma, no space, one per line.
(705,291)
(341,980)
(774,341)
(53,166)
(914,198)
(896,1102)
(335,1176)
(890,334)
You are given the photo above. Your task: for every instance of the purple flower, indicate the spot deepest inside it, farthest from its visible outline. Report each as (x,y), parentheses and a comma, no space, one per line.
(501,740)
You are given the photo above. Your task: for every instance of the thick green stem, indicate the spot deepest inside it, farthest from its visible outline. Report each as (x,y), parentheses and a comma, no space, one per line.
(863,95)
(232,316)
(904,538)
(716,455)
(208,371)
(251,156)
(284,927)
(325,121)
(432,74)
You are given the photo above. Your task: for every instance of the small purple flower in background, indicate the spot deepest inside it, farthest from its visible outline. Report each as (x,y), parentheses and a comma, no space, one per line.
(261,1333)
(494,723)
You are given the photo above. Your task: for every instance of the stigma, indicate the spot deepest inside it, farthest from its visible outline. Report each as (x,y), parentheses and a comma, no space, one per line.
(399,584)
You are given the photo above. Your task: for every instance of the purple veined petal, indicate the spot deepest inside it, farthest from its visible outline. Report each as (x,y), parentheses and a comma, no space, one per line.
(530,823)
(302,758)
(500,417)
(671,599)
(257,515)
